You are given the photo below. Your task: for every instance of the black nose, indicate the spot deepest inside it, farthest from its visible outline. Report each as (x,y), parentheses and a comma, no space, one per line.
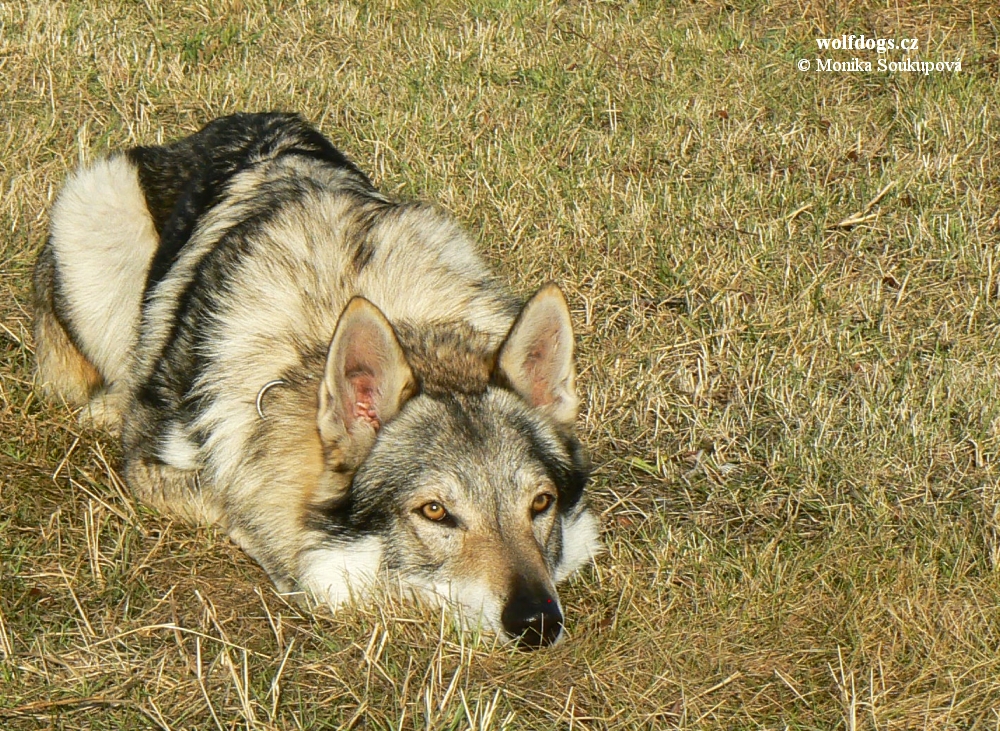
(532,617)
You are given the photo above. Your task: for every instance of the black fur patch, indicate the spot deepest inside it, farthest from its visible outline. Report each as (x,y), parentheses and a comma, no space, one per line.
(183,180)
(347,519)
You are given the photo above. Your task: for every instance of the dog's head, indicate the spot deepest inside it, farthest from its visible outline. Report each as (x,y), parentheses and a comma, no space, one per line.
(475,497)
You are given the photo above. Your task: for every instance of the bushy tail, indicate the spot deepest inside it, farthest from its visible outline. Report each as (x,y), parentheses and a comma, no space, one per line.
(90,278)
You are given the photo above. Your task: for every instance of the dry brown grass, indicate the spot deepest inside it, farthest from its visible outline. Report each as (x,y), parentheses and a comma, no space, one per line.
(796,423)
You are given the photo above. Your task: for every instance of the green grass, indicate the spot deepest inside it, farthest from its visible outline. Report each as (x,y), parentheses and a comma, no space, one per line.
(795,421)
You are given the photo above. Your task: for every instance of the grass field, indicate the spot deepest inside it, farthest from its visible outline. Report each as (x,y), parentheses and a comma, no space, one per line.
(786,287)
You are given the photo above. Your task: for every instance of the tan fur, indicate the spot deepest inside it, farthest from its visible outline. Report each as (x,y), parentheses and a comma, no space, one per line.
(496,558)
(296,444)
(62,369)
(449,356)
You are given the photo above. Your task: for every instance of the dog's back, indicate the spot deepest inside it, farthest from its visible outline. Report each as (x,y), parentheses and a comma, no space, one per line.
(120,227)
(117,227)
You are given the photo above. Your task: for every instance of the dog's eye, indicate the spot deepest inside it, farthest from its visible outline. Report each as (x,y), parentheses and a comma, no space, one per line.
(542,502)
(434,511)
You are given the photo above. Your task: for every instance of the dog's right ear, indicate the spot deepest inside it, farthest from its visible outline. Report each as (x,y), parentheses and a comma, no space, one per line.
(365,383)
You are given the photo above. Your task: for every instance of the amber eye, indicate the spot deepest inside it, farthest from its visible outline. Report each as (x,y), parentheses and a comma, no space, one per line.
(541,503)
(434,511)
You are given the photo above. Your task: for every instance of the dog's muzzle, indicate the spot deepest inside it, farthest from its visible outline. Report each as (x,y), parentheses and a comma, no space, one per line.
(532,617)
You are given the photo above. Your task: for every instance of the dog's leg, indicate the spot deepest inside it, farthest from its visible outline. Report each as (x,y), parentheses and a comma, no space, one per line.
(170,490)
(105,409)
(178,491)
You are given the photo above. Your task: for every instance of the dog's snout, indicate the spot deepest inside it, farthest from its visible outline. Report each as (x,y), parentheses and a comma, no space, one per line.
(532,617)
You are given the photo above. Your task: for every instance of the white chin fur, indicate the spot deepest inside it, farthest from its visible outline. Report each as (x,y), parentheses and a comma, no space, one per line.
(337,575)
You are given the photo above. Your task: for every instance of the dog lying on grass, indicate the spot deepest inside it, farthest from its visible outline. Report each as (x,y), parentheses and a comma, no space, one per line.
(333,377)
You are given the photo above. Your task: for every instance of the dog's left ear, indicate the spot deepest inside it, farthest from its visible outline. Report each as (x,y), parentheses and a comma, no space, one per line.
(536,359)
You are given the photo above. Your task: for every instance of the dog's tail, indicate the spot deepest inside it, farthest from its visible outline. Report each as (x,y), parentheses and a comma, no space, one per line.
(90,278)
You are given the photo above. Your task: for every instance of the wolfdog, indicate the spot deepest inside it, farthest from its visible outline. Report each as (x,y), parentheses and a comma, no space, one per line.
(333,377)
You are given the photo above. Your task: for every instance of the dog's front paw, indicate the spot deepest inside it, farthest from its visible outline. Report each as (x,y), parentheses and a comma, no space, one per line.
(104,411)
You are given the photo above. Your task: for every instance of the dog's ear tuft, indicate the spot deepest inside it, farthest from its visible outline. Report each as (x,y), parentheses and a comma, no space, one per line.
(365,383)
(536,359)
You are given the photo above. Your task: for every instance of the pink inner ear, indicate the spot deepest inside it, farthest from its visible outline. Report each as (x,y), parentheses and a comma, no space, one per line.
(534,356)
(365,394)
(538,367)
(534,366)
(541,395)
